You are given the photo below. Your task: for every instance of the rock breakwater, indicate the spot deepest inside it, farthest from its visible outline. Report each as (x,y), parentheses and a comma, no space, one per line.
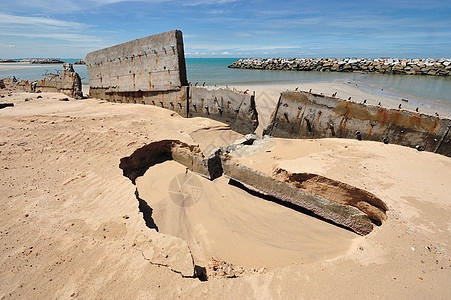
(437,67)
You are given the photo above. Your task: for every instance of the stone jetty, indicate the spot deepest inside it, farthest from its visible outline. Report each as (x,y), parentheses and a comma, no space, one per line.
(437,67)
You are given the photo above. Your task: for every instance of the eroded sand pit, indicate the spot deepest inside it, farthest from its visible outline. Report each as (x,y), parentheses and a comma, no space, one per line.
(227,222)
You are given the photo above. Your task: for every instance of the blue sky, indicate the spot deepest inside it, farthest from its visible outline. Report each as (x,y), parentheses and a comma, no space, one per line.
(230,28)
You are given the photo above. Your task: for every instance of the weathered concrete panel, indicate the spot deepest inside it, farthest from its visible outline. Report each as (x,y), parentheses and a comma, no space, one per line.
(307,115)
(233,108)
(150,64)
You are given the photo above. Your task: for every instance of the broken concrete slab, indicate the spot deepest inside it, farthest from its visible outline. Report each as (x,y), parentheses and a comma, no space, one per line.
(68,83)
(152,70)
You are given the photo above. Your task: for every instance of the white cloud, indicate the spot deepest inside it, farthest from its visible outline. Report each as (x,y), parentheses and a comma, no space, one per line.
(39,21)
(7,45)
(71,37)
(208,2)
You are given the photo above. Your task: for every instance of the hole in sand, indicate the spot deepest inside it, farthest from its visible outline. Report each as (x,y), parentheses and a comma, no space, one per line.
(226,221)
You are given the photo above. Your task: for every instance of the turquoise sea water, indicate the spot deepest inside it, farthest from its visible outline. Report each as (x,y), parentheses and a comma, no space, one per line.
(214,71)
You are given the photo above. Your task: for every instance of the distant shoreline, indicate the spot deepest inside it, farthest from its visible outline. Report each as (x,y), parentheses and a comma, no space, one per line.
(41,61)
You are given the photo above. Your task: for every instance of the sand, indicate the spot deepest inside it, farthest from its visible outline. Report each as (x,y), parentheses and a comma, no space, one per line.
(70,224)
(232,224)
(22,65)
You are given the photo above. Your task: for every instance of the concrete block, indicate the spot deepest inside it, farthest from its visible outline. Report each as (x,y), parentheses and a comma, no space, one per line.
(143,158)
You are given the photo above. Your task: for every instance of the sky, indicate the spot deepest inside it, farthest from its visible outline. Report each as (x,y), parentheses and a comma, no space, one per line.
(230,28)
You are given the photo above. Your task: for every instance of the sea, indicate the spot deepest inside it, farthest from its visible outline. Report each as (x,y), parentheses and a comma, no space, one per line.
(215,71)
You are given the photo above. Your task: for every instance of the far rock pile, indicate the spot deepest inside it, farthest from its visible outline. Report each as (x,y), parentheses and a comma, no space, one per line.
(437,67)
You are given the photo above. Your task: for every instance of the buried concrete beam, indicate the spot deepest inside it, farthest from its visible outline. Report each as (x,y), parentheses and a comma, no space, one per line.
(356,210)
(344,215)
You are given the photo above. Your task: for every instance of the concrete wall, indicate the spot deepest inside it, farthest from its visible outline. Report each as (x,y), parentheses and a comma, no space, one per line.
(307,115)
(233,108)
(152,64)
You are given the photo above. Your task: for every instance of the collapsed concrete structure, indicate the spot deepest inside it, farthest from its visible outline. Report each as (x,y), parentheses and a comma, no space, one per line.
(152,71)
(68,83)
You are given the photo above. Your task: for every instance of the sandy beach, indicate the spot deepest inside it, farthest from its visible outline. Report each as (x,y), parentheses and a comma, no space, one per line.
(23,65)
(71,225)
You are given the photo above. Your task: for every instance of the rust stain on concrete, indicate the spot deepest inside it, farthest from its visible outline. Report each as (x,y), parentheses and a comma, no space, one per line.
(134,83)
(297,97)
(384,116)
